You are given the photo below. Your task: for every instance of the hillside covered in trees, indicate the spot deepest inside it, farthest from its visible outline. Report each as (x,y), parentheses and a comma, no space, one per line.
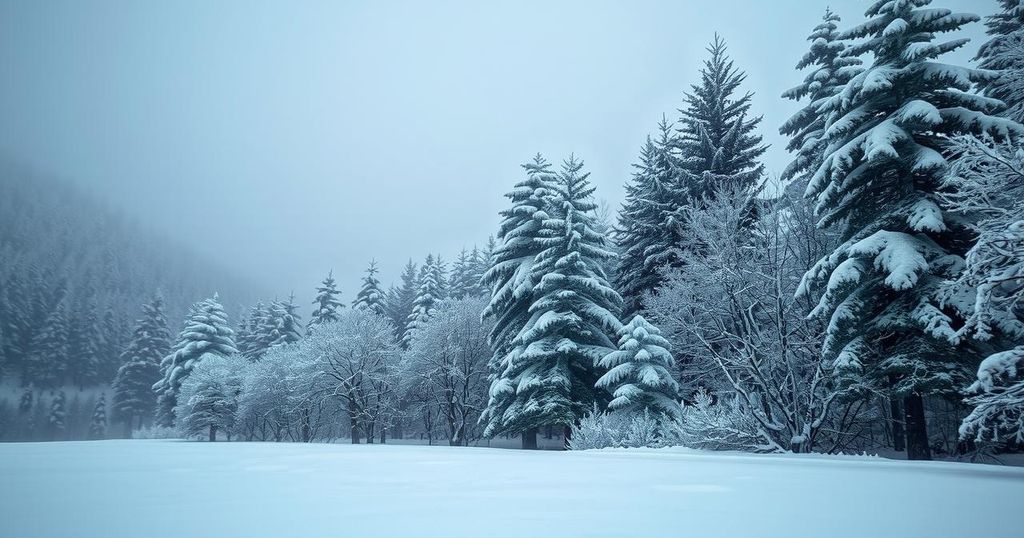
(74,278)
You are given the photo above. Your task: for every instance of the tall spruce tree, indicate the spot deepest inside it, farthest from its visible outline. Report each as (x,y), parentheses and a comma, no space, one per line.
(206,332)
(879,183)
(830,70)
(478,265)
(548,377)
(326,302)
(648,232)
(1004,53)
(431,288)
(460,283)
(259,335)
(400,300)
(286,322)
(47,362)
(370,296)
(716,140)
(133,401)
(98,423)
(58,417)
(84,347)
(511,281)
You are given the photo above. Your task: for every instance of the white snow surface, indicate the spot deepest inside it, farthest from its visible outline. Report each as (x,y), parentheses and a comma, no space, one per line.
(177,488)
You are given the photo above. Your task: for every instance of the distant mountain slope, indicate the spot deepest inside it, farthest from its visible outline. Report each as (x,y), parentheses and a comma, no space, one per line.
(61,249)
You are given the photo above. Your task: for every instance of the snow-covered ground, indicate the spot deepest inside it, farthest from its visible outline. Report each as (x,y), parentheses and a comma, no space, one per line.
(189,489)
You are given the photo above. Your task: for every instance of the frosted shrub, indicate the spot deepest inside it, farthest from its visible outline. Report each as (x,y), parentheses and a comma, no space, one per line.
(724,425)
(595,430)
(646,430)
(623,430)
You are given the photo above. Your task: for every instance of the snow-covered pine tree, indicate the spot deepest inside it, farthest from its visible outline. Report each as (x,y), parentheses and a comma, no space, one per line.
(648,234)
(511,281)
(259,333)
(58,415)
(115,336)
(47,362)
(206,331)
(830,70)
(286,322)
(244,335)
(478,265)
(133,401)
(98,424)
(326,302)
(460,282)
(84,347)
(370,297)
(15,323)
(399,301)
(879,184)
(1004,53)
(639,374)
(549,375)
(716,140)
(430,290)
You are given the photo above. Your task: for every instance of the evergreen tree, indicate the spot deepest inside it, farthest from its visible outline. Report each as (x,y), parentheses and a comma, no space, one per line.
(370,296)
(648,231)
(1004,53)
(830,71)
(46,365)
(548,377)
(206,332)
(639,372)
(17,327)
(84,341)
(327,303)
(716,140)
(400,300)
(112,343)
(98,424)
(286,322)
(58,415)
(245,334)
(259,334)
(879,184)
(477,266)
(430,289)
(461,280)
(134,400)
(511,281)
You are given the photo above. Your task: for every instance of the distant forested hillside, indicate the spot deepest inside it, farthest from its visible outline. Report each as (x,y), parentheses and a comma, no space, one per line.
(74,274)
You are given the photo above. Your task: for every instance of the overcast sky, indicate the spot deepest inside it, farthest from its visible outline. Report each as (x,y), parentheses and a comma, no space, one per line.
(284,139)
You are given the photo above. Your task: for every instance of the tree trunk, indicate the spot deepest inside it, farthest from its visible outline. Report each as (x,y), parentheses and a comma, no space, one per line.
(383,435)
(307,432)
(529,439)
(917,429)
(354,432)
(213,433)
(898,435)
(128,427)
(566,437)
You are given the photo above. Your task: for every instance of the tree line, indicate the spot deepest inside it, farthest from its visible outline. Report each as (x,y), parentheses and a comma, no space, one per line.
(873,302)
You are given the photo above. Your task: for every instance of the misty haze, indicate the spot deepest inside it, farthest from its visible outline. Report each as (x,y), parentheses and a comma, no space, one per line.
(630,269)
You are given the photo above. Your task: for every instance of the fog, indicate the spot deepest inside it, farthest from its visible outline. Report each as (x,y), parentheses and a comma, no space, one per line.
(286,142)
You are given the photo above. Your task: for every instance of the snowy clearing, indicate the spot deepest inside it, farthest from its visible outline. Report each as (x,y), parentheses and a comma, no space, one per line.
(176,488)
